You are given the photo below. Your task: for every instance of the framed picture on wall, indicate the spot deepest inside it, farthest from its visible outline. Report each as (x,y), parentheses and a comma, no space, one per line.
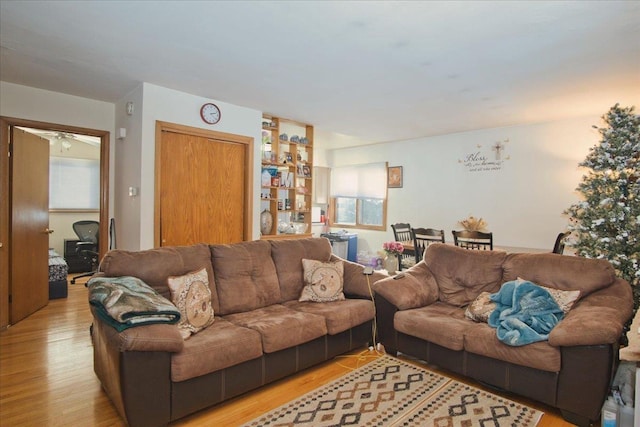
(394,177)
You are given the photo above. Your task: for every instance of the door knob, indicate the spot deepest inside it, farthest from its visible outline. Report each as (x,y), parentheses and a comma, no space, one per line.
(48,231)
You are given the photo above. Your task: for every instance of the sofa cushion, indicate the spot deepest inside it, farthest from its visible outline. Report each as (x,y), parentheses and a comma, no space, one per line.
(339,315)
(220,346)
(414,288)
(153,266)
(440,323)
(599,317)
(323,281)
(288,255)
(482,339)
(281,327)
(356,283)
(246,277)
(463,274)
(559,271)
(191,295)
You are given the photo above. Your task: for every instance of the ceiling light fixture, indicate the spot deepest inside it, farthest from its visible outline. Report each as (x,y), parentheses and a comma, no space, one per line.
(64,139)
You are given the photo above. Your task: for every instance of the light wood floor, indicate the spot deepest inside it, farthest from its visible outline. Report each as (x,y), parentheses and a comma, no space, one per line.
(47,379)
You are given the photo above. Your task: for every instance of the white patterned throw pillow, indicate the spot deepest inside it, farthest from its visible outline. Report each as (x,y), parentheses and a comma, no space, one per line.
(191,295)
(323,281)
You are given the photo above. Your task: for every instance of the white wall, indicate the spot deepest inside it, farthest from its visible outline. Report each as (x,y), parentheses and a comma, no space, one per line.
(57,108)
(134,221)
(127,165)
(522,203)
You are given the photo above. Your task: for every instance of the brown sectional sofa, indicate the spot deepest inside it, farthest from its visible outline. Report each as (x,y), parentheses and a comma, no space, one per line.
(261,332)
(422,314)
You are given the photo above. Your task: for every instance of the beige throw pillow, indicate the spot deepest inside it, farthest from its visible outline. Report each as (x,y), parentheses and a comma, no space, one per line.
(323,281)
(480,309)
(191,295)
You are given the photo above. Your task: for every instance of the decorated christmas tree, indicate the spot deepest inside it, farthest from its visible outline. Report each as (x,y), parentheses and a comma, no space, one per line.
(606,223)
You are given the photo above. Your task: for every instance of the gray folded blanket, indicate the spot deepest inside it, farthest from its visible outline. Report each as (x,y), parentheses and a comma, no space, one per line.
(124,302)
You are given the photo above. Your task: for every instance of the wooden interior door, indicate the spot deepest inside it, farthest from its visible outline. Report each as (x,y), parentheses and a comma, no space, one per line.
(202,189)
(29,281)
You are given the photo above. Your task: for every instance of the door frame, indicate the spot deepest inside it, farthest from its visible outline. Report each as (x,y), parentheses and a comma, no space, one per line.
(5,125)
(221,136)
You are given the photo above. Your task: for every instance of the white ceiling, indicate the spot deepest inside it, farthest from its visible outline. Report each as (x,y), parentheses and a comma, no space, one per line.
(367,71)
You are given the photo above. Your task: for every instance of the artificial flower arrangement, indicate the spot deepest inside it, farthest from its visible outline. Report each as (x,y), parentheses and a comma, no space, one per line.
(473,224)
(393,248)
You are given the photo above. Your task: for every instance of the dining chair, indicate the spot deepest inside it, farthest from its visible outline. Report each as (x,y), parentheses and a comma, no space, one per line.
(473,240)
(423,237)
(402,234)
(558,247)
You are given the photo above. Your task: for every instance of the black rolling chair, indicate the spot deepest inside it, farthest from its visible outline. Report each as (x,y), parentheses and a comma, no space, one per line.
(87,247)
(473,240)
(558,247)
(402,234)
(423,237)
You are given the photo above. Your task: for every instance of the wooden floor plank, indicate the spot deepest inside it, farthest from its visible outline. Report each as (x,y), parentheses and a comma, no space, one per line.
(47,378)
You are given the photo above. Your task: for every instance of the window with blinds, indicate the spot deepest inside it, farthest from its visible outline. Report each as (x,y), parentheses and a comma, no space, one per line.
(359,196)
(74,184)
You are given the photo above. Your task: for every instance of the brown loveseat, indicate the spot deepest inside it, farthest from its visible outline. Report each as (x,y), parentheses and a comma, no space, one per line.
(422,314)
(261,331)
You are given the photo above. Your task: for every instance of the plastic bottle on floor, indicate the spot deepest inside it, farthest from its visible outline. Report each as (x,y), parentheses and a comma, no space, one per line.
(610,413)
(626,415)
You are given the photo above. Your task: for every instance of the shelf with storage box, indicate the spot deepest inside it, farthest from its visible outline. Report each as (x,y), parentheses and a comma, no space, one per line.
(286,178)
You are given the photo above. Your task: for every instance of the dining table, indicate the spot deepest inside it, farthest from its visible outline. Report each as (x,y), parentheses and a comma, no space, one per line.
(408,246)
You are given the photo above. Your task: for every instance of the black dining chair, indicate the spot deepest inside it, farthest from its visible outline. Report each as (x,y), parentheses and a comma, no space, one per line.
(558,247)
(402,233)
(423,237)
(477,240)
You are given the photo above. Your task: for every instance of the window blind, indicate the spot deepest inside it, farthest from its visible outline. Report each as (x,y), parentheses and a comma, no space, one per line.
(74,183)
(367,181)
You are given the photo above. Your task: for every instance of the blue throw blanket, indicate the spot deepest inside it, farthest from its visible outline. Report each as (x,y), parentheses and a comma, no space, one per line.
(124,302)
(524,313)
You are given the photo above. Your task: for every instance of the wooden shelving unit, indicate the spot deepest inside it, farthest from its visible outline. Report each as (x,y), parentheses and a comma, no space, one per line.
(287,157)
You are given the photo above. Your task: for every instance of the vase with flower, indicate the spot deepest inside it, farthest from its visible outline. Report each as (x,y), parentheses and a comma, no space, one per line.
(392,252)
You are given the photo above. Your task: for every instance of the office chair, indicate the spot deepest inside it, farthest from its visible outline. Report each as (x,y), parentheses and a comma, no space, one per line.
(87,247)
(558,247)
(473,240)
(423,237)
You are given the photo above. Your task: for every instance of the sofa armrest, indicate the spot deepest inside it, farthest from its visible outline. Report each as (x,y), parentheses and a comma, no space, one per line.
(415,287)
(355,281)
(596,319)
(155,337)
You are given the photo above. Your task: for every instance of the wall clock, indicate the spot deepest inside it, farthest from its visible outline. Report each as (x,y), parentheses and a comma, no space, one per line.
(210,113)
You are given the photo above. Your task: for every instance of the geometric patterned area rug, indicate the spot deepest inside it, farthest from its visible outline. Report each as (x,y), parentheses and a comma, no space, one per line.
(389,392)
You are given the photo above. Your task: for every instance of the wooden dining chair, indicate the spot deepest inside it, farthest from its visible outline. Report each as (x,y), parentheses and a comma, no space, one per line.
(423,237)
(402,233)
(473,240)
(558,247)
